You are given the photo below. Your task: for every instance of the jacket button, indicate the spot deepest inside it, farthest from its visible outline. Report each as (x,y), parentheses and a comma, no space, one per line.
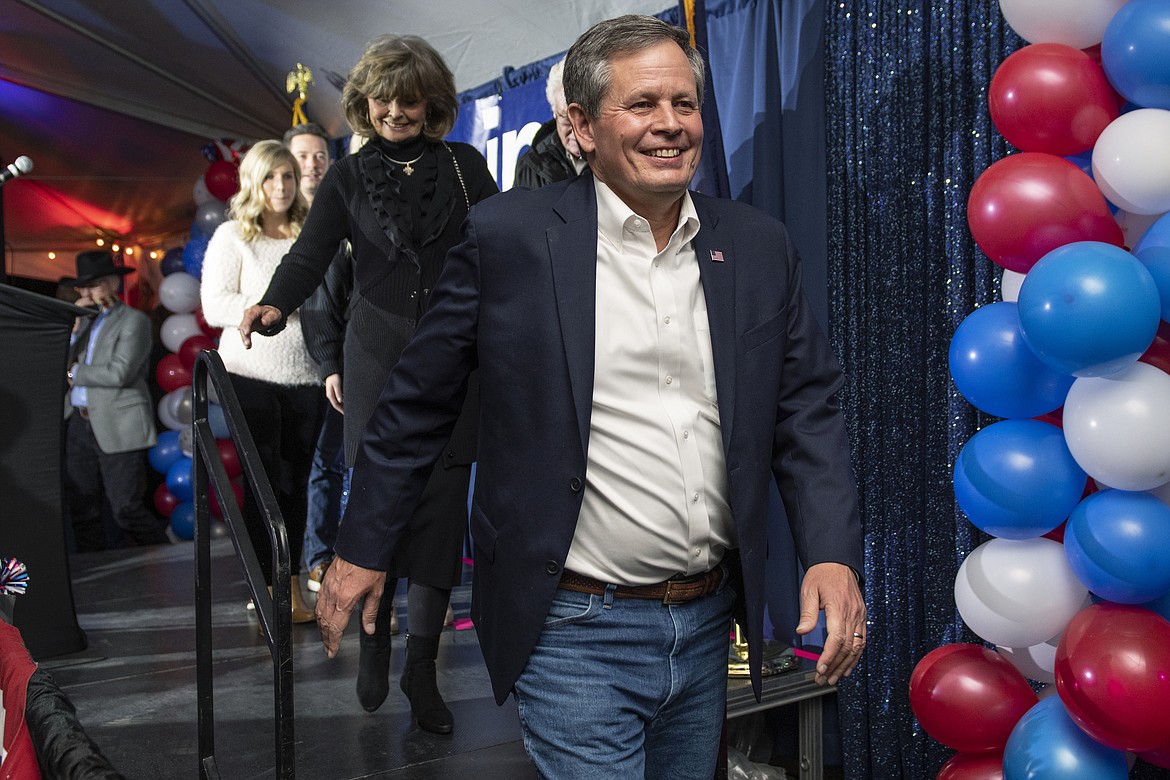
(552,567)
(450,454)
(575,484)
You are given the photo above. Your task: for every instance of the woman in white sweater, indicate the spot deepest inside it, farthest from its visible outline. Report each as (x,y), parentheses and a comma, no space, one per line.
(276,381)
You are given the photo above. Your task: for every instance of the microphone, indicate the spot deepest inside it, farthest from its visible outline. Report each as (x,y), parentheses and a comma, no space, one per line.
(15,168)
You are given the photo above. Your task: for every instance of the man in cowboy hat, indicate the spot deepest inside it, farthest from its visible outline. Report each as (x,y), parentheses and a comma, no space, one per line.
(110,416)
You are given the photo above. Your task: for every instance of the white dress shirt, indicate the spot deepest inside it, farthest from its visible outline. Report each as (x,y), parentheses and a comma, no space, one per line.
(655,502)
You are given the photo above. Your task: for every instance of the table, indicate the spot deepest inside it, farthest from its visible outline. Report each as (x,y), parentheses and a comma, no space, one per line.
(793,687)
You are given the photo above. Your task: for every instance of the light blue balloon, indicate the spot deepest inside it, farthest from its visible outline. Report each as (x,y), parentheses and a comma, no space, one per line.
(1133,52)
(997,372)
(1118,545)
(1089,309)
(1157,261)
(1047,745)
(218,421)
(1157,234)
(1016,479)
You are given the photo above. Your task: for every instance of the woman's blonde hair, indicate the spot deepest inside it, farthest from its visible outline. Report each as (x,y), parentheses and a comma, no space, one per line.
(404,67)
(247,205)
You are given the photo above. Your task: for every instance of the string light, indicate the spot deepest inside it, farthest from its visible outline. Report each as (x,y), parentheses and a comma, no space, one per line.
(154,254)
(101,242)
(115,248)
(52,255)
(129,250)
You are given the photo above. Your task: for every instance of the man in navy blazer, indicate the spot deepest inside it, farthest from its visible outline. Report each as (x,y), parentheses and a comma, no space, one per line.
(647,364)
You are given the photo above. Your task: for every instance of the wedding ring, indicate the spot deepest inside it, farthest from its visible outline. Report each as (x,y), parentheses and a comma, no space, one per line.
(857,635)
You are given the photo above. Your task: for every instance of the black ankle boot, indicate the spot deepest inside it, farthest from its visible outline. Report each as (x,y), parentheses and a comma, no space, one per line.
(418,683)
(373,680)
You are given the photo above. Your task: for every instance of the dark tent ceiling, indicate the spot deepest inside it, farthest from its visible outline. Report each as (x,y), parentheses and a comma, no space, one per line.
(114,99)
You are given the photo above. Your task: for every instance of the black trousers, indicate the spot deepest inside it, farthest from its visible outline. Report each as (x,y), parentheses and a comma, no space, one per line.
(91,474)
(284,421)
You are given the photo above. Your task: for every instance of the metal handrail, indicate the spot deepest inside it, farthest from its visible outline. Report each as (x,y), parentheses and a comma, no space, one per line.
(276,624)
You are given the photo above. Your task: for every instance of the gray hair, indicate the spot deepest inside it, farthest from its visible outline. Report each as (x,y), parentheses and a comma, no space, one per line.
(588,70)
(554,88)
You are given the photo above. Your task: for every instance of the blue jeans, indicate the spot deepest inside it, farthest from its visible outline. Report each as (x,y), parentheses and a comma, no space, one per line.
(326,483)
(627,688)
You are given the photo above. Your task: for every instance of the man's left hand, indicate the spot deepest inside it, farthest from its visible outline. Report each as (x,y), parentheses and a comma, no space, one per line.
(833,588)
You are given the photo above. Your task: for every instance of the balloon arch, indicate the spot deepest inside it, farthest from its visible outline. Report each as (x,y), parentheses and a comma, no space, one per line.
(1073,481)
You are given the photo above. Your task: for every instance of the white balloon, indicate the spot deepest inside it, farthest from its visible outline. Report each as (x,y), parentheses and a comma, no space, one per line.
(1077,23)
(210,215)
(179,292)
(1036,662)
(187,441)
(1131,161)
(1018,593)
(1009,285)
(200,192)
(176,329)
(1117,427)
(1134,226)
(167,416)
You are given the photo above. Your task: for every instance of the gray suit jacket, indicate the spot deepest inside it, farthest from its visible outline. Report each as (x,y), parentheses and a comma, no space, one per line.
(120,409)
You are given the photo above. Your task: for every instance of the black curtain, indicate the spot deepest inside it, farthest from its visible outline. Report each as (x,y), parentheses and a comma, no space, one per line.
(34,343)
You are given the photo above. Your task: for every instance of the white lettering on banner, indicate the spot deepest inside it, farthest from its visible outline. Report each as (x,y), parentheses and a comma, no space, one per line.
(516,142)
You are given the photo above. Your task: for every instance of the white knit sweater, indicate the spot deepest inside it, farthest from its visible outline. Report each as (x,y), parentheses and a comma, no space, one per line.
(235,274)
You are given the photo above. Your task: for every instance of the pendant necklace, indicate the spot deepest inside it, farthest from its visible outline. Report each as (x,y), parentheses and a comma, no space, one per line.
(407,165)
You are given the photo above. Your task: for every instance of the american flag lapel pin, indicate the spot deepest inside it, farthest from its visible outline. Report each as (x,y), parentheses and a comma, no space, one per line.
(716,255)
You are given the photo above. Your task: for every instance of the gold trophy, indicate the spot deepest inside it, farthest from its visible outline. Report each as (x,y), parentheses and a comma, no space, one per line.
(298,81)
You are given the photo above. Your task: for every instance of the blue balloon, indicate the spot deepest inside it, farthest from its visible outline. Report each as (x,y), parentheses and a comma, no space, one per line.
(1089,309)
(1157,261)
(1047,745)
(179,479)
(166,452)
(1016,479)
(218,421)
(1133,52)
(193,255)
(172,261)
(1118,545)
(1157,234)
(997,372)
(183,520)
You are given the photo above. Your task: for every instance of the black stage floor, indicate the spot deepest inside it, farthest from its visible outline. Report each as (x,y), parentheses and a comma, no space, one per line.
(134,686)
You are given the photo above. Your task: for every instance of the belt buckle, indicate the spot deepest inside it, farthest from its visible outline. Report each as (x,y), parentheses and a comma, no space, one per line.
(668,597)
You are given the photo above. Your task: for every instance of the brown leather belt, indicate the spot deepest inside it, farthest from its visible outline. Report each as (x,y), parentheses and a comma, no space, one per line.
(83,411)
(672,591)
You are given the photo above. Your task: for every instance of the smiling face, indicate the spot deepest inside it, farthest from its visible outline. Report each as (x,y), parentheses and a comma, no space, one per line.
(398,120)
(280,189)
(646,140)
(312,155)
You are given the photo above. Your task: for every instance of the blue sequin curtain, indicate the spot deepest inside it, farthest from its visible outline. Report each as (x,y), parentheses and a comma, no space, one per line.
(908,133)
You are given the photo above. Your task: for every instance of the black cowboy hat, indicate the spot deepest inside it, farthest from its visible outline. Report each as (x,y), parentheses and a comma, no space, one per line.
(93,265)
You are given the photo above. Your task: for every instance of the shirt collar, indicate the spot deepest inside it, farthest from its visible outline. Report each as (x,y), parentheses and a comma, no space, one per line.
(613,215)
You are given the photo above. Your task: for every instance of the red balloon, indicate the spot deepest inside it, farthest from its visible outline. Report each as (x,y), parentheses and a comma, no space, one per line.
(222,179)
(237,490)
(1049,97)
(171,373)
(1026,205)
(229,456)
(164,501)
(1113,675)
(973,766)
(969,697)
(203,326)
(191,347)
(1158,355)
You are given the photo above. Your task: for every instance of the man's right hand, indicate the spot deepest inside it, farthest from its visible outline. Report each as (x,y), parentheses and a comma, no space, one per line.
(343,587)
(256,318)
(333,392)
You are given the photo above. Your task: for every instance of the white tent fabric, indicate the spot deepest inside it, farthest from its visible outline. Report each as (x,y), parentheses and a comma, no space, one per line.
(114,100)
